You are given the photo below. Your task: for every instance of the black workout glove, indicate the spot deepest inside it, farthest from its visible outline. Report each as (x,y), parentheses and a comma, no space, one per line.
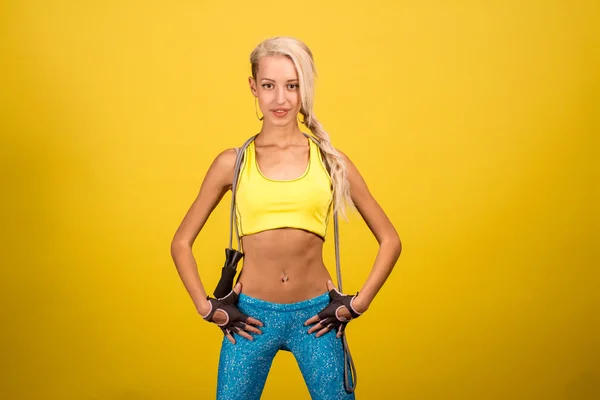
(329,317)
(236,321)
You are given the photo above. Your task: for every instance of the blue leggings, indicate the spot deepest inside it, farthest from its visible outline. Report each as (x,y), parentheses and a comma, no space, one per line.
(243,367)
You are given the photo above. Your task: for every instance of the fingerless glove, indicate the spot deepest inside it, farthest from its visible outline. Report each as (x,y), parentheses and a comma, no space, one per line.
(236,320)
(329,315)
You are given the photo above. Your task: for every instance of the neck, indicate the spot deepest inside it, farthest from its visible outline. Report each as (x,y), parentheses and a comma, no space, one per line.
(280,135)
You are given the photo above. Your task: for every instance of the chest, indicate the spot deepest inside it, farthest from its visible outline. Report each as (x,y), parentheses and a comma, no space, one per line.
(282,164)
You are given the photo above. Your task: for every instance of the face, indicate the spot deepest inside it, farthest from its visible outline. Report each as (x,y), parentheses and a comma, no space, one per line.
(278,91)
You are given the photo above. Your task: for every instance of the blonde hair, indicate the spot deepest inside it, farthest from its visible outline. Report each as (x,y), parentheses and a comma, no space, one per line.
(301,56)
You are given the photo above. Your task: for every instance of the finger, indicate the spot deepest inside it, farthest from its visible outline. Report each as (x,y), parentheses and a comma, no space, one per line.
(249,328)
(325,330)
(312,320)
(229,336)
(245,334)
(330,285)
(252,329)
(241,332)
(339,331)
(342,329)
(323,323)
(254,321)
(315,328)
(238,288)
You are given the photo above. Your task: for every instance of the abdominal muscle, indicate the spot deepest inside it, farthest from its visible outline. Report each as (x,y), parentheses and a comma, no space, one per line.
(270,254)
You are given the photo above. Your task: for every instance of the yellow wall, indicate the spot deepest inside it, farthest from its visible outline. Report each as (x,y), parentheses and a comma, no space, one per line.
(475,126)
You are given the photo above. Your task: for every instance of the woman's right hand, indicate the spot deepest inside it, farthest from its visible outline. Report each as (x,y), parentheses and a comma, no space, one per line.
(229,318)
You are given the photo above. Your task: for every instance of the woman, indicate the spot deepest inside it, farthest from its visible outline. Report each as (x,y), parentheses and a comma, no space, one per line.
(287,188)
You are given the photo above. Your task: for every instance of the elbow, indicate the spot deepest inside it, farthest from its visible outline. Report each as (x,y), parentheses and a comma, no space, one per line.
(397,247)
(394,244)
(179,246)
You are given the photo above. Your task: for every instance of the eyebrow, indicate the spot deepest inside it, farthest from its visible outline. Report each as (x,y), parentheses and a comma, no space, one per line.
(289,80)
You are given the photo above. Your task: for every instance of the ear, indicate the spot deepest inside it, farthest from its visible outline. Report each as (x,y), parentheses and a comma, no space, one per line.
(252,83)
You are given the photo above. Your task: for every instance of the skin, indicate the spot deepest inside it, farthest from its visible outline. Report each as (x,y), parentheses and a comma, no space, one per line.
(282,153)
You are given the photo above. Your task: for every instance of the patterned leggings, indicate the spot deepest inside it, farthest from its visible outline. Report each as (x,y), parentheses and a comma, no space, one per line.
(243,367)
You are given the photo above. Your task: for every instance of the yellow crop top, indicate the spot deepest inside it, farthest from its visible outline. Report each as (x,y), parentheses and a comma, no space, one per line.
(263,203)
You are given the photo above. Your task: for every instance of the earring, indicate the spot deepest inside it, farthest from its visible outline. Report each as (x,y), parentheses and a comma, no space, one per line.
(256,109)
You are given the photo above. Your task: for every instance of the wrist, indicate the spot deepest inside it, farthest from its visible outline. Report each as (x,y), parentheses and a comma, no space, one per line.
(204,308)
(359,305)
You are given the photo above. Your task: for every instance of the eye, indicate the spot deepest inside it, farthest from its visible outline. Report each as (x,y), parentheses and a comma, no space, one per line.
(267,84)
(293,86)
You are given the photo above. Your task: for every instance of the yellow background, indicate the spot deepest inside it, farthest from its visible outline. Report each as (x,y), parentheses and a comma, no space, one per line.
(474,123)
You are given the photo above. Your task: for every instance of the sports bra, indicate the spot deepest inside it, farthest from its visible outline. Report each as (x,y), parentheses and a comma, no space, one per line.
(263,203)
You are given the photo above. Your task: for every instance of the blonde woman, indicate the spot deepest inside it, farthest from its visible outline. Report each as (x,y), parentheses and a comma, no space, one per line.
(287,188)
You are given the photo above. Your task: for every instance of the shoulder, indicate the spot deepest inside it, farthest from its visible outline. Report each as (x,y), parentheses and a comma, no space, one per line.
(225,159)
(358,186)
(349,164)
(221,170)
(344,155)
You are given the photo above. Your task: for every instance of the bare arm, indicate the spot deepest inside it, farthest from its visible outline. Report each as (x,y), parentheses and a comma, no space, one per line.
(216,183)
(390,246)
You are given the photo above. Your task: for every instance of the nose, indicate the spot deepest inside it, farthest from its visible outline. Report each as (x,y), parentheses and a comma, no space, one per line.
(280,96)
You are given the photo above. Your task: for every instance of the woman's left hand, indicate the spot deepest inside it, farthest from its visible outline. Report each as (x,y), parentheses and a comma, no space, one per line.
(340,310)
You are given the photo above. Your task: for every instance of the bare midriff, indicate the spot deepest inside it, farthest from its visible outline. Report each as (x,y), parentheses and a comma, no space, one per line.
(283,266)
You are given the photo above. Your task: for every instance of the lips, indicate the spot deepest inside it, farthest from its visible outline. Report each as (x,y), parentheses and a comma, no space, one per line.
(280,112)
